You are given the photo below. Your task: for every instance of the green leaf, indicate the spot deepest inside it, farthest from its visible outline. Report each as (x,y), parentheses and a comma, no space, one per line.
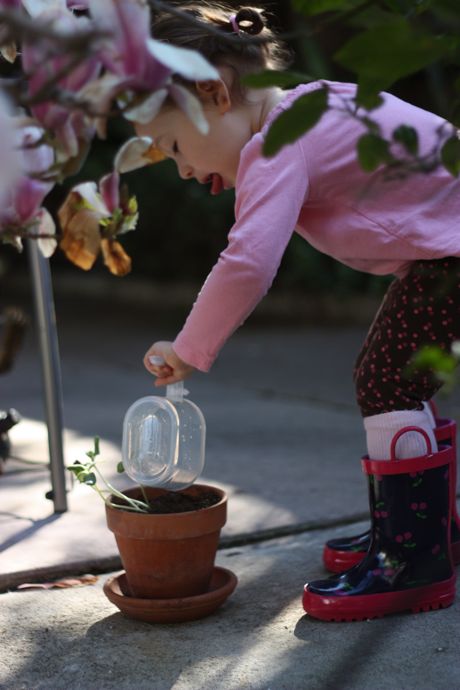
(76,468)
(372,151)
(408,137)
(120,468)
(383,54)
(272,77)
(450,155)
(434,358)
(304,113)
(89,478)
(96,445)
(311,7)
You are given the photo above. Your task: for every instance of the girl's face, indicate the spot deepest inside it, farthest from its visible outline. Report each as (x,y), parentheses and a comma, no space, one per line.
(212,158)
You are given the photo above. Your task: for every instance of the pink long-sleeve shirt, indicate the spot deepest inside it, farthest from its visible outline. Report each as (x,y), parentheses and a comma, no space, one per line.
(317,188)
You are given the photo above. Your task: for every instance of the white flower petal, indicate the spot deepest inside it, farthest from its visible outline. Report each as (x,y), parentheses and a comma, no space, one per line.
(148,109)
(88,190)
(188,63)
(130,155)
(37,7)
(9,52)
(191,106)
(129,224)
(46,226)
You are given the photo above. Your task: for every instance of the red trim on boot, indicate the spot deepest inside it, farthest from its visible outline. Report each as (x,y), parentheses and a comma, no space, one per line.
(383,582)
(359,608)
(337,561)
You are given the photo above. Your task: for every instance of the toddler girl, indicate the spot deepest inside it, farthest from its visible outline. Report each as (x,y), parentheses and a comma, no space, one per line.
(407,227)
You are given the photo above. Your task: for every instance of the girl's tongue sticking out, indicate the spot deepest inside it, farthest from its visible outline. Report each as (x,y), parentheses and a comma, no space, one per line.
(217,184)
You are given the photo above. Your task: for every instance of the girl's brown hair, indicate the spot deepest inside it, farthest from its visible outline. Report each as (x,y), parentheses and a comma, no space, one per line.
(209,35)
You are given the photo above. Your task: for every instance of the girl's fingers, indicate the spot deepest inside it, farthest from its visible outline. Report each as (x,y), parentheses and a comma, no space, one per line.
(166,380)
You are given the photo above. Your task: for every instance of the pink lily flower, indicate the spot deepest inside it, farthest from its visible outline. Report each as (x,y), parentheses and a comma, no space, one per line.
(10,160)
(91,218)
(22,211)
(41,61)
(145,66)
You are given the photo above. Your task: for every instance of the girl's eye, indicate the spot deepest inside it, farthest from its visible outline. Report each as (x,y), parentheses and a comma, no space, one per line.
(175,147)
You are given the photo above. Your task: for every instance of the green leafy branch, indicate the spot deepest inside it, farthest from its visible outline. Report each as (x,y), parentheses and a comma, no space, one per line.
(436,360)
(391,40)
(89,473)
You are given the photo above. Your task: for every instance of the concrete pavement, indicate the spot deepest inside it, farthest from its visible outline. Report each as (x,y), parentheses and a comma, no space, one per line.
(284,439)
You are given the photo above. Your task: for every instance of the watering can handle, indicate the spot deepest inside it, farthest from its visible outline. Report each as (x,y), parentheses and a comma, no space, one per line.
(174,391)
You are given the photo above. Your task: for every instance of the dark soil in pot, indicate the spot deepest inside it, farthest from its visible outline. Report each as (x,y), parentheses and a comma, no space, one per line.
(177,502)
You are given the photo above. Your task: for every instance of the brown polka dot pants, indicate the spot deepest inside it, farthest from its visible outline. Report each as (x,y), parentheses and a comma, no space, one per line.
(423,308)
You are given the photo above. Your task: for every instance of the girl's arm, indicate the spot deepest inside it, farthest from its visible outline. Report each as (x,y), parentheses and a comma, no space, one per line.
(270,195)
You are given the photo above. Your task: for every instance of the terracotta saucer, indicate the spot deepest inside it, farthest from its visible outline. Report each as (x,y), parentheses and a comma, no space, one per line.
(223,582)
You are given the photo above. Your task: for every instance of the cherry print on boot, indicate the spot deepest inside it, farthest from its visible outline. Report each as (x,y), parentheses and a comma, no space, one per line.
(408,565)
(344,552)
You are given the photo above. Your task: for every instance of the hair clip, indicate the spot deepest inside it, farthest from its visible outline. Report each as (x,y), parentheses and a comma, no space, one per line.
(234,23)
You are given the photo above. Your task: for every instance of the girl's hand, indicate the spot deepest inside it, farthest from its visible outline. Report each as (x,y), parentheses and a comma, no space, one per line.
(174,369)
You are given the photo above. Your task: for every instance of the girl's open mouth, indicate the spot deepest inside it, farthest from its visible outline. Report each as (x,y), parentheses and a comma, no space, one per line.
(217,184)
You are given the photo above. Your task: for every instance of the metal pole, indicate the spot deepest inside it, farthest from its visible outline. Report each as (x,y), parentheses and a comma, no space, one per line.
(49,351)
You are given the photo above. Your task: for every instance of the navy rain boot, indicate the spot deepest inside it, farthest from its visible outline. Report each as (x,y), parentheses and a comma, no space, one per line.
(408,565)
(344,552)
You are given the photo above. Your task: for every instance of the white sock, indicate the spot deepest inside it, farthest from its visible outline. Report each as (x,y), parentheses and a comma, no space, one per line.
(381,428)
(429,411)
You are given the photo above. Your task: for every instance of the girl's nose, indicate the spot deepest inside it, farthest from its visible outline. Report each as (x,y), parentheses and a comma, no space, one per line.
(185,171)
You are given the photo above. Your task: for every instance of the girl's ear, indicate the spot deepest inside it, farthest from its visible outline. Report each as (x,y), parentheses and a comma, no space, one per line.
(216,92)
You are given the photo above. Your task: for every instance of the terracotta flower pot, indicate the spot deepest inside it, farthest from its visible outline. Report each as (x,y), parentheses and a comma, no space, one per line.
(168,555)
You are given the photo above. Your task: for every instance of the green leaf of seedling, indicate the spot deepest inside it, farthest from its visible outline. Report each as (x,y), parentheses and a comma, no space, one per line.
(81,472)
(89,478)
(372,152)
(272,77)
(76,468)
(120,468)
(408,137)
(96,445)
(305,112)
(450,155)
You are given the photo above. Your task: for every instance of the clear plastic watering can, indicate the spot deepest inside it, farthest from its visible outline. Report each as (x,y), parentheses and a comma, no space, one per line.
(164,440)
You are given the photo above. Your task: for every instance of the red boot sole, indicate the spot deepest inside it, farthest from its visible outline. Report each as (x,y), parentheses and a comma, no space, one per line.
(359,608)
(339,561)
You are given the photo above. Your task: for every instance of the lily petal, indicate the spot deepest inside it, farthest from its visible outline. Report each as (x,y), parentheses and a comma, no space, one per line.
(148,109)
(81,240)
(136,153)
(46,226)
(188,63)
(9,52)
(11,162)
(109,188)
(37,7)
(88,191)
(115,258)
(190,105)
